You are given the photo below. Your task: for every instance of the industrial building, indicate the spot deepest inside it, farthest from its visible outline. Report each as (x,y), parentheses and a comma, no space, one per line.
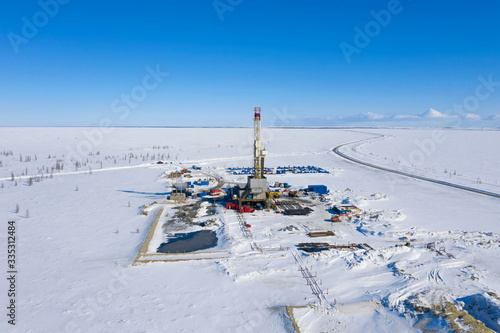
(178,195)
(320,189)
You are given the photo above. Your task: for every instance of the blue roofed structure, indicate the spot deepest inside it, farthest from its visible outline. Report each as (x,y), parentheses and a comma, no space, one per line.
(320,189)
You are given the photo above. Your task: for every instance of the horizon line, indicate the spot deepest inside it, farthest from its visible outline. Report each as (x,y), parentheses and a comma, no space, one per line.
(277,127)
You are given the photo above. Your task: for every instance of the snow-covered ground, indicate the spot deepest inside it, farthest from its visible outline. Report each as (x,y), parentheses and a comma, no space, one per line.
(465,157)
(80,227)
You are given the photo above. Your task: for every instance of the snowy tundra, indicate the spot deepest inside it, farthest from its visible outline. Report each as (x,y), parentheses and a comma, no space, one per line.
(83,202)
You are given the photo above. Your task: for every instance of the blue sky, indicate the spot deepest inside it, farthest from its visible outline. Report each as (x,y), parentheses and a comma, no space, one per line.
(225,57)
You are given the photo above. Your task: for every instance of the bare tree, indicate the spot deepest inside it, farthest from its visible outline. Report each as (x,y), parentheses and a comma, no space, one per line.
(17,208)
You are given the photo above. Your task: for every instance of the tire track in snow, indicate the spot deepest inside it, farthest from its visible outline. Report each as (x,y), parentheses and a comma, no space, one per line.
(434,276)
(337,151)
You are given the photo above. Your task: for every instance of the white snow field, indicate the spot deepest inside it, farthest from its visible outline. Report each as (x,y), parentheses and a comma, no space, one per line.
(466,157)
(431,262)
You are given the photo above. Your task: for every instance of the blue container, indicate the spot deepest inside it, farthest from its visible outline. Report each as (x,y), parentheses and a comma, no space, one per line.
(320,189)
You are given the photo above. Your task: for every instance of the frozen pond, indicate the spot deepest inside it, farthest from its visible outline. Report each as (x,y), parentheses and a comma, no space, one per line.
(189,242)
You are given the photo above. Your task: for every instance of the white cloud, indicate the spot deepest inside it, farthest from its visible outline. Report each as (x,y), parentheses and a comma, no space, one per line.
(406,116)
(433,114)
(431,118)
(472,116)
(372,116)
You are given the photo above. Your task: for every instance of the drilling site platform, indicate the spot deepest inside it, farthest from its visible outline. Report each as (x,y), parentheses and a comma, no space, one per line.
(256,189)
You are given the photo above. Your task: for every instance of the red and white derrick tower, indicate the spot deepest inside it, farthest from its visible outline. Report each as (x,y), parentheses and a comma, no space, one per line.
(258,152)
